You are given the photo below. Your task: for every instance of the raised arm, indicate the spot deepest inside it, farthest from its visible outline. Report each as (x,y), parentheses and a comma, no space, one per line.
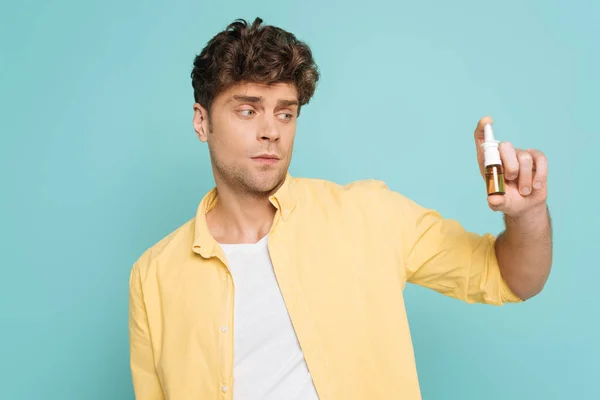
(524,252)
(524,249)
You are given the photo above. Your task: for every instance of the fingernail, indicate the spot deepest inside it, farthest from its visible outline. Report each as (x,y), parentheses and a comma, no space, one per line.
(526,191)
(537,185)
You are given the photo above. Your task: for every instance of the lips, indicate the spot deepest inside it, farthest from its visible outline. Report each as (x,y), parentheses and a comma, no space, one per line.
(266,158)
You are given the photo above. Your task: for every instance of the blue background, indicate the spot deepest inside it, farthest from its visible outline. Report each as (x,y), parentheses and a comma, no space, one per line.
(99,161)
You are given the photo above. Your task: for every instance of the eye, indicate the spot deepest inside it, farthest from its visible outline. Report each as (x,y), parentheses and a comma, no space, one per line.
(246,113)
(285,116)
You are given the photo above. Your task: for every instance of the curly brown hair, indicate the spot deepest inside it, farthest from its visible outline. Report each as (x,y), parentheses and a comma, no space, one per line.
(253,53)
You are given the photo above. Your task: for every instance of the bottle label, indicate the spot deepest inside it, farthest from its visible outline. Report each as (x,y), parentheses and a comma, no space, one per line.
(494,180)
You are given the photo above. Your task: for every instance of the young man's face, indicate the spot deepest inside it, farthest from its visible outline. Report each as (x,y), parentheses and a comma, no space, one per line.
(250,135)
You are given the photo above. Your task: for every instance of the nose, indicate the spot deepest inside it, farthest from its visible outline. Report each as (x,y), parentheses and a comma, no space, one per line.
(268,132)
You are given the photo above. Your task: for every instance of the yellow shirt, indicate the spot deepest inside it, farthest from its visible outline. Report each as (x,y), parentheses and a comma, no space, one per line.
(342,256)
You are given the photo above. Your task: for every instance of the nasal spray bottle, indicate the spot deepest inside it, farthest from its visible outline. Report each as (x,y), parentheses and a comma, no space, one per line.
(494,174)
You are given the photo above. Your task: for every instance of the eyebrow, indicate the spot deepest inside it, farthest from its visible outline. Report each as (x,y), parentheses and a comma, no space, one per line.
(287,103)
(246,99)
(257,99)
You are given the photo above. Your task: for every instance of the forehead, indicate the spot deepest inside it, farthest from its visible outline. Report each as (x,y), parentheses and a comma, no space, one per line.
(269,93)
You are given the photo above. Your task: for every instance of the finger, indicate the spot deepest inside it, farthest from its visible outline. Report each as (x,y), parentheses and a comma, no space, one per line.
(497,202)
(525,172)
(479,139)
(510,163)
(540,166)
(479,134)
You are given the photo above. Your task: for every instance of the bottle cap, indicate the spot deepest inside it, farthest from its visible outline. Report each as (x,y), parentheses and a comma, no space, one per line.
(491,155)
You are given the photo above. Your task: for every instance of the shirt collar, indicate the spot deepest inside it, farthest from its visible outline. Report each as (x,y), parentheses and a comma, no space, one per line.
(204,243)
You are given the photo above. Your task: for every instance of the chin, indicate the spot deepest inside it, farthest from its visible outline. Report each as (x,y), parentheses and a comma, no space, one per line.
(267,182)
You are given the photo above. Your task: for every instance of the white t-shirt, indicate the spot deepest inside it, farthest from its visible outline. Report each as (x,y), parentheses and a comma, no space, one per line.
(268,360)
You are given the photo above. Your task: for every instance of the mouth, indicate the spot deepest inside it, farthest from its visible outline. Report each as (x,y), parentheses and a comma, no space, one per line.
(266,159)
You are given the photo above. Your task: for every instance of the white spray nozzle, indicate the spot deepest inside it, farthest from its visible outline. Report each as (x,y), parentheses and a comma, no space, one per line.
(488,133)
(490,147)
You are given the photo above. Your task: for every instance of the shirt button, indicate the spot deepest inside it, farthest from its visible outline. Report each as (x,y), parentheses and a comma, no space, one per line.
(224,389)
(224,329)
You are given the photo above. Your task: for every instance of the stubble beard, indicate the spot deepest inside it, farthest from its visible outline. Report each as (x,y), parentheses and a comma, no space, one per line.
(245,182)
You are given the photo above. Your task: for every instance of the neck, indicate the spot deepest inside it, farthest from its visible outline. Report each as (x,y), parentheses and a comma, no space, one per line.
(240,218)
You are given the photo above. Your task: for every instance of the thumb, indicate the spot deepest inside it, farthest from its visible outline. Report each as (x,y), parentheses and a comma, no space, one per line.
(498,202)
(479,136)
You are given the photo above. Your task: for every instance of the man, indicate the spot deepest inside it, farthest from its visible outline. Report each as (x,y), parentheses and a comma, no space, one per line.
(289,288)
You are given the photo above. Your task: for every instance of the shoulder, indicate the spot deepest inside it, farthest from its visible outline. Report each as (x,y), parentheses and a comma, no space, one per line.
(364,192)
(323,187)
(369,200)
(173,243)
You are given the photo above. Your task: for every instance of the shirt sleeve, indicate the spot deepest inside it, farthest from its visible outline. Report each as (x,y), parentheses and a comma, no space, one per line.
(441,255)
(146,384)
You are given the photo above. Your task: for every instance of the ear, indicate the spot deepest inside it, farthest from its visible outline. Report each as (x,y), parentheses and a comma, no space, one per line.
(201,122)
